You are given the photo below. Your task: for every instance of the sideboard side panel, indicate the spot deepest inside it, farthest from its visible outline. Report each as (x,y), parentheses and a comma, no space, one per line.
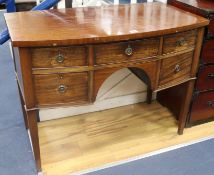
(17,65)
(26,71)
(177,94)
(197,53)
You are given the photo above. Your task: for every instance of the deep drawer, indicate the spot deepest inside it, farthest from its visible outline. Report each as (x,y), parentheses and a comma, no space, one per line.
(126,51)
(180,41)
(202,107)
(61,88)
(175,69)
(59,57)
(208,51)
(205,80)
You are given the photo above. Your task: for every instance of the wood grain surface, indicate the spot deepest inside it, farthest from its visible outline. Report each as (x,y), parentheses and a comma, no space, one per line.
(208,51)
(149,68)
(203,105)
(47,88)
(98,24)
(90,140)
(70,56)
(180,41)
(70,40)
(168,72)
(115,52)
(201,112)
(211,26)
(205,79)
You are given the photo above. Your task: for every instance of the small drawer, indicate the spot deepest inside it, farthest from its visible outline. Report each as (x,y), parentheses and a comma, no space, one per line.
(175,69)
(59,57)
(211,27)
(208,51)
(178,42)
(61,88)
(202,107)
(126,51)
(205,80)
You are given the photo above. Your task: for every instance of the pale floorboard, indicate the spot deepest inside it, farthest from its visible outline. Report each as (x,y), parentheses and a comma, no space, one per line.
(90,140)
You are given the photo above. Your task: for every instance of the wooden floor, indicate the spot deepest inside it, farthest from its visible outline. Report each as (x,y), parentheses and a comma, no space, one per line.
(90,140)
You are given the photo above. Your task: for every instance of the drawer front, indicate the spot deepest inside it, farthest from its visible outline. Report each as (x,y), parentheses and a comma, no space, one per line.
(205,80)
(180,41)
(59,57)
(61,88)
(202,107)
(175,69)
(126,51)
(211,27)
(208,51)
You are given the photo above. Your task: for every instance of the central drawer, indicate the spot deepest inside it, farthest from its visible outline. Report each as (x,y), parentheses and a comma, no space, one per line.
(175,69)
(126,51)
(61,88)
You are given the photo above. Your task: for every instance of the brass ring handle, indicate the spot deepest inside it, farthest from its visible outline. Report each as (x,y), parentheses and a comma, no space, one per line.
(211,104)
(181,42)
(129,51)
(62,88)
(60,58)
(177,68)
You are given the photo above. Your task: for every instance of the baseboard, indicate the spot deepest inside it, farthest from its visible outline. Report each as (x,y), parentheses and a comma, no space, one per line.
(55,113)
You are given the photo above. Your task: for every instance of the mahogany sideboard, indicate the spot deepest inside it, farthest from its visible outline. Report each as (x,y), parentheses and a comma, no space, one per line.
(62,57)
(202,108)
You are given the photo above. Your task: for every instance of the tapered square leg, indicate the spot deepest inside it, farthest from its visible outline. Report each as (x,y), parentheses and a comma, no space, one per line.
(182,118)
(23,107)
(177,99)
(33,128)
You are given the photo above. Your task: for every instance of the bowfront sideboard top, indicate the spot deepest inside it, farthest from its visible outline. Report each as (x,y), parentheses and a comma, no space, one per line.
(98,24)
(62,57)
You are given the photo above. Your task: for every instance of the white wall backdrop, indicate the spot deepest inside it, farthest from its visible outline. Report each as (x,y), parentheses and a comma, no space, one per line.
(81,3)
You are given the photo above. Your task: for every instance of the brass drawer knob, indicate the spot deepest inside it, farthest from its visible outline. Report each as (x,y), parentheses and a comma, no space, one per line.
(181,42)
(62,88)
(129,51)
(211,104)
(177,68)
(210,76)
(60,58)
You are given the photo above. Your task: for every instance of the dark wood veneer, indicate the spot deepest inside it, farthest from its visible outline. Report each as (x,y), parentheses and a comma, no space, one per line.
(205,81)
(207,54)
(203,105)
(93,28)
(59,57)
(178,42)
(175,68)
(163,51)
(61,88)
(116,52)
(200,7)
